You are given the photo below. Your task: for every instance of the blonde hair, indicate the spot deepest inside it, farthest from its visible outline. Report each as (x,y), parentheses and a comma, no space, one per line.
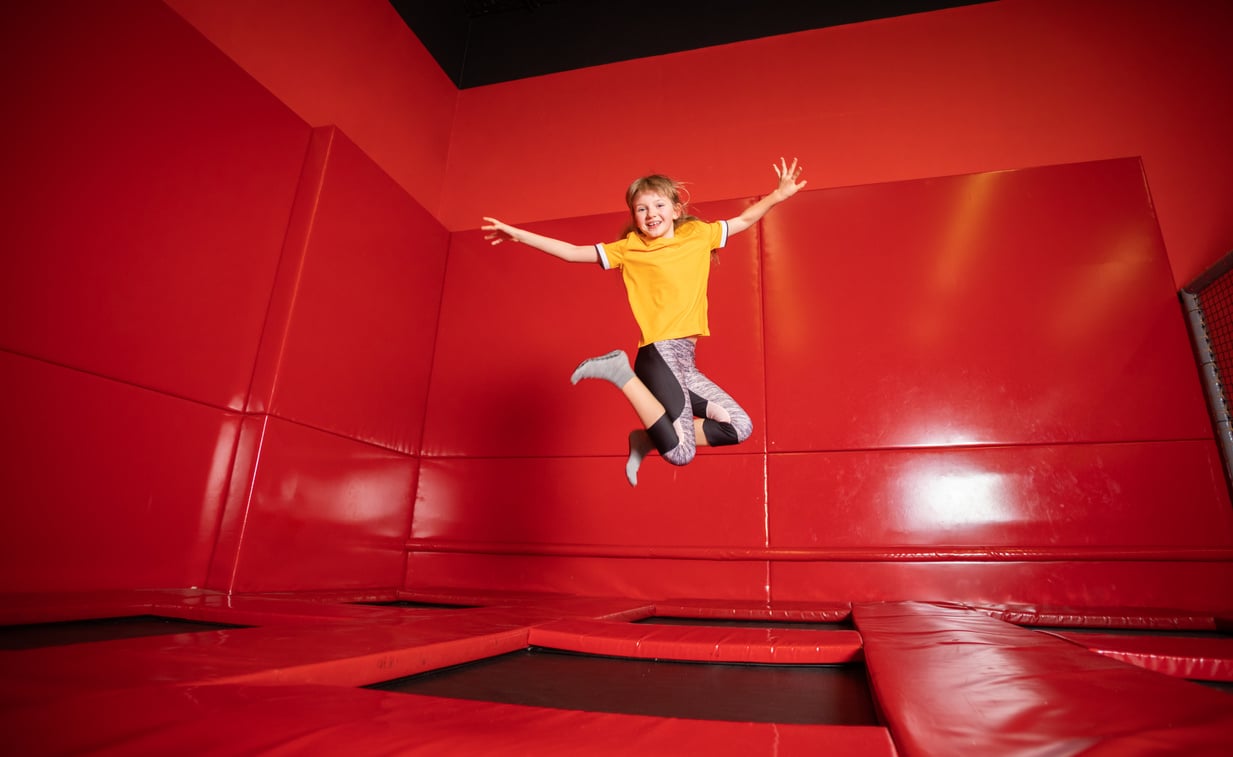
(668,188)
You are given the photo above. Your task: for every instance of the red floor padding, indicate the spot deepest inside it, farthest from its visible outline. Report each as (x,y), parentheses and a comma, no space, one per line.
(944,679)
(1204,658)
(951,681)
(700,643)
(245,720)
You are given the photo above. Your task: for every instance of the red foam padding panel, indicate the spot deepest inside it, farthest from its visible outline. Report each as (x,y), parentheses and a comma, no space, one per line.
(787,611)
(331,720)
(148,695)
(700,643)
(648,578)
(360,287)
(572,524)
(1084,496)
(152,182)
(1100,617)
(338,652)
(107,486)
(1033,306)
(516,322)
(311,510)
(1192,586)
(587,501)
(995,688)
(1202,658)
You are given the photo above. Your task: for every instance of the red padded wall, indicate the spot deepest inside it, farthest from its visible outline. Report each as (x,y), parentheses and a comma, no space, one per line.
(106,485)
(982,369)
(1014,307)
(220,323)
(348,345)
(149,183)
(351,64)
(312,510)
(148,187)
(222,259)
(327,463)
(994,361)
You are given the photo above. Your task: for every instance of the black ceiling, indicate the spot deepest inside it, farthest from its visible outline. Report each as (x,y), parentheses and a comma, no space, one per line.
(479,42)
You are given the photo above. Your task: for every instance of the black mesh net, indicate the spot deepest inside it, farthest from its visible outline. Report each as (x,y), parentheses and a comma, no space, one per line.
(1216,301)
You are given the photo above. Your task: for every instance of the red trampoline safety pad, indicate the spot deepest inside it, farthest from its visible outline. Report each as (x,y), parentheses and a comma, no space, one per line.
(230,719)
(998,689)
(1199,658)
(797,612)
(945,679)
(1096,617)
(700,643)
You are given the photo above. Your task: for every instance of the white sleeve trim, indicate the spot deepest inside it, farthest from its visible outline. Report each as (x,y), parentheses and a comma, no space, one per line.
(723,240)
(603,257)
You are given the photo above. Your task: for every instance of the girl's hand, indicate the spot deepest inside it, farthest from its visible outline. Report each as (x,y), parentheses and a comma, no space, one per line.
(500,232)
(788,175)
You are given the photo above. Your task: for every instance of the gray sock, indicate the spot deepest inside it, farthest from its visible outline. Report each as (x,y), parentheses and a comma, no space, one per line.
(614,367)
(639,447)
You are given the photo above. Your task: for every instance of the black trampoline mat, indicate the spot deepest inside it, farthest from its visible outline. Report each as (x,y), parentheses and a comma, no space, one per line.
(745,623)
(36,635)
(1225,686)
(793,694)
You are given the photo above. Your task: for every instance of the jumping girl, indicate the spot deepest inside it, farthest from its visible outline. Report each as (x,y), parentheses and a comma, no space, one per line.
(665,264)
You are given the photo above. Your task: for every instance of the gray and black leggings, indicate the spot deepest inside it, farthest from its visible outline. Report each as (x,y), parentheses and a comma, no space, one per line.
(667,368)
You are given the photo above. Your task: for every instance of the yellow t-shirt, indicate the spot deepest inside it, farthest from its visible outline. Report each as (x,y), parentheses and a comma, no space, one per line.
(666,279)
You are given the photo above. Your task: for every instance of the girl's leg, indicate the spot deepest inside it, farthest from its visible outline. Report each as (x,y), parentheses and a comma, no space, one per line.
(661,367)
(614,367)
(656,395)
(718,419)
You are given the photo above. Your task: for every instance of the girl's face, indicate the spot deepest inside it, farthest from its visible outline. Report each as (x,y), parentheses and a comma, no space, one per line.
(654,214)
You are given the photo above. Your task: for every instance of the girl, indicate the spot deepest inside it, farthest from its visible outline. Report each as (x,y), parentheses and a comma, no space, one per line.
(665,264)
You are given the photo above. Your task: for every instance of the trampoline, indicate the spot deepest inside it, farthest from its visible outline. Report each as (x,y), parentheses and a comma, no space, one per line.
(38,635)
(791,694)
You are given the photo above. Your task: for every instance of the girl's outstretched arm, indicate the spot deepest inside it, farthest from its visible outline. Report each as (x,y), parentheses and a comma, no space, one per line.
(500,232)
(788,186)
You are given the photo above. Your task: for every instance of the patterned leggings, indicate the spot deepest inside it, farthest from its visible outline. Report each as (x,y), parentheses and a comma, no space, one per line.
(667,368)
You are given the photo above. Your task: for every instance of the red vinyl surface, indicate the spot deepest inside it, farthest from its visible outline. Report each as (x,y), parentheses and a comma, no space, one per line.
(85,508)
(1100,617)
(1175,580)
(236,720)
(1000,375)
(700,644)
(994,688)
(550,500)
(337,506)
(149,183)
(946,680)
(811,612)
(1015,307)
(348,346)
(645,579)
(1055,496)
(213,299)
(1201,658)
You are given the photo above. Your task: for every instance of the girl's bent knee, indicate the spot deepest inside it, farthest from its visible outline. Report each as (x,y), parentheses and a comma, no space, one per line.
(664,436)
(725,434)
(681,455)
